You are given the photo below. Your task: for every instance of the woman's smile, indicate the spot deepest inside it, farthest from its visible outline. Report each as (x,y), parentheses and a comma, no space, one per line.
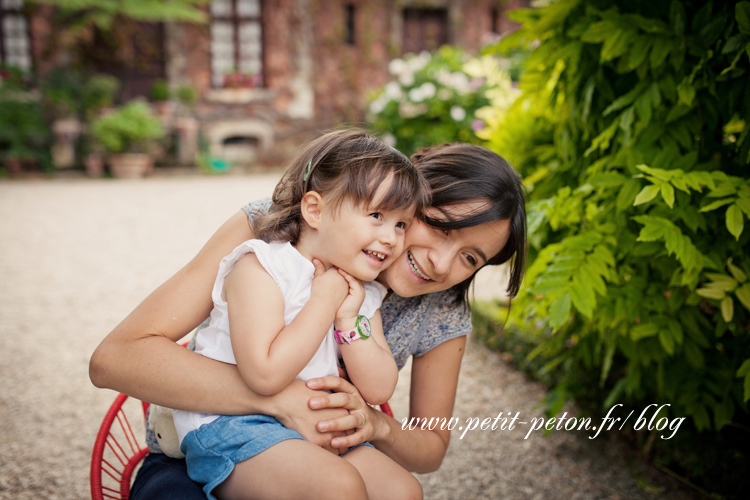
(415,268)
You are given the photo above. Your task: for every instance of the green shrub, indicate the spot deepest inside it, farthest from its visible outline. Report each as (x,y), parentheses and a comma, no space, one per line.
(132,128)
(160,91)
(24,133)
(187,96)
(631,132)
(432,100)
(99,91)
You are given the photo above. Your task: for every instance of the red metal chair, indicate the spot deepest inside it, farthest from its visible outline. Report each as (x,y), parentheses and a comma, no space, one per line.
(119,449)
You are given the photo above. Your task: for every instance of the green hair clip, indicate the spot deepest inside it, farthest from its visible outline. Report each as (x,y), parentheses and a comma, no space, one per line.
(307,172)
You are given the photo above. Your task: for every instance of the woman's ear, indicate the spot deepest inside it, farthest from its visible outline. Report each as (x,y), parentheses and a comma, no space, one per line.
(311,207)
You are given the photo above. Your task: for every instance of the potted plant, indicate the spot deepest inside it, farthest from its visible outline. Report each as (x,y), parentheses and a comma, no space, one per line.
(186,125)
(127,135)
(160,94)
(62,94)
(236,79)
(99,93)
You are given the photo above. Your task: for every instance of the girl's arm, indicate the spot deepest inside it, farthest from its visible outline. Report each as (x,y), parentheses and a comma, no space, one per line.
(434,380)
(270,354)
(369,363)
(141,358)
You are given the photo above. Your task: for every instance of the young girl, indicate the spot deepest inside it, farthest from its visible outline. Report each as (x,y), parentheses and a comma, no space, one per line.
(292,300)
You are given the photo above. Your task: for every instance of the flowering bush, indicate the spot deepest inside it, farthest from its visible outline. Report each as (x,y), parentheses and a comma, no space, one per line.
(431,100)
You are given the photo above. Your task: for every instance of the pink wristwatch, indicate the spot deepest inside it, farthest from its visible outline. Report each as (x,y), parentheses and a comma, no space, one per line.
(362,330)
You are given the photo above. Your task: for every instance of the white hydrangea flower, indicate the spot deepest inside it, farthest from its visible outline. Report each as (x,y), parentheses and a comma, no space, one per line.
(444,78)
(406,78)
(393,91)
(458,113)
(460,83)
(428,90)
(445,94)
(410,110)
(378,105)
(416,94)
(420,61)
(397,66)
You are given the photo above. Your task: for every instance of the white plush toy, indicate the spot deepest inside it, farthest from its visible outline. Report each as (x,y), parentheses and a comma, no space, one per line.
(160,420)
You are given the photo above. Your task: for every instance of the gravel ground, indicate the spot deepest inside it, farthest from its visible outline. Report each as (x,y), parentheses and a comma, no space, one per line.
(76,255)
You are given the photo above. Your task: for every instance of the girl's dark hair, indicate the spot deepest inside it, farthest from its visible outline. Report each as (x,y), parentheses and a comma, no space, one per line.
(459,173)
(343,165)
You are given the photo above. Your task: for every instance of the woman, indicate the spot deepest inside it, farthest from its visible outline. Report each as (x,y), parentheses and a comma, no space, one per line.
(477,218)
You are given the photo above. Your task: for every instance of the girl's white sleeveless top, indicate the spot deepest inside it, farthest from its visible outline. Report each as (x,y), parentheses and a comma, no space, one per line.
(293,273)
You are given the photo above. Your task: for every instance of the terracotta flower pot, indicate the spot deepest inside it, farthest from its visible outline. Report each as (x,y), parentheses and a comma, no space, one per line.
(129,165)
(94,164)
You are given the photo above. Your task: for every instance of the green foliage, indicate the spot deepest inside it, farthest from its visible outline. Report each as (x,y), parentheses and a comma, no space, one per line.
(62,92)
(631,133)
(160,91)
(24,134)
(187,96)
(432,100)
(103,13)
(99,91)
(132,128)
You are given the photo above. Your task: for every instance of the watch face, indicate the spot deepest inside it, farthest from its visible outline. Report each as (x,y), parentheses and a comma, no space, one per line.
(363,326)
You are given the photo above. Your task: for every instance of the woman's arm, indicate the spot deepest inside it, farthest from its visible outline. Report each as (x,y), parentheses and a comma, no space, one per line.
(434,380)
(141,358)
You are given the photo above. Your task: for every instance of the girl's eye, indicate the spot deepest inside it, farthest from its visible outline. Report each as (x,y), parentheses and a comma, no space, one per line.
(401,225)
(377,215)
(471,259)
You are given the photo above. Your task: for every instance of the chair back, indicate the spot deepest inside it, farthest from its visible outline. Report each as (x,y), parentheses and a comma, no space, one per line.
(118,449)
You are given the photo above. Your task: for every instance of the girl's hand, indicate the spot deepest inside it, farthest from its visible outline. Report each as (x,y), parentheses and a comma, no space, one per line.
(349,309)
(345,396)
(329,282)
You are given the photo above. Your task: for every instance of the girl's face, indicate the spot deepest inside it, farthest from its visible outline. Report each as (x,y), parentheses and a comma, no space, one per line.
(437,259)
(362,240)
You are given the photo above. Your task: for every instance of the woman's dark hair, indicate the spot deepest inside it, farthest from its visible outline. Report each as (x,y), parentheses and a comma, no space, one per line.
(460,173)
(342,165)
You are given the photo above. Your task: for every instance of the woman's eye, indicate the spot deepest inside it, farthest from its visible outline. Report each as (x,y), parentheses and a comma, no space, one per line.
(471,259)
(377,215)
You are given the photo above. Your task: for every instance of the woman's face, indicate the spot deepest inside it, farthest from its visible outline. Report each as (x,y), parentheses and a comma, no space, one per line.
(436,259)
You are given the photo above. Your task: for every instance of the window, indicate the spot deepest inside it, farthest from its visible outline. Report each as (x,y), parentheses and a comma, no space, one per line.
(15,49)
(494,16)
(349,36)
(236,43)
(424,29)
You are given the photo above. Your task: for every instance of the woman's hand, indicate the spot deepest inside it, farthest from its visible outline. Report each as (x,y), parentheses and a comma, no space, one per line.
(344,396)
(291,409)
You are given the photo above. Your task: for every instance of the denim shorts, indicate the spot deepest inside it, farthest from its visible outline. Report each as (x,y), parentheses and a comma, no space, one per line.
(212,450)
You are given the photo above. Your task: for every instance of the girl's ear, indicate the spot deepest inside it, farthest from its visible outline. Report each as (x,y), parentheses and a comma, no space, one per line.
(311,207)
